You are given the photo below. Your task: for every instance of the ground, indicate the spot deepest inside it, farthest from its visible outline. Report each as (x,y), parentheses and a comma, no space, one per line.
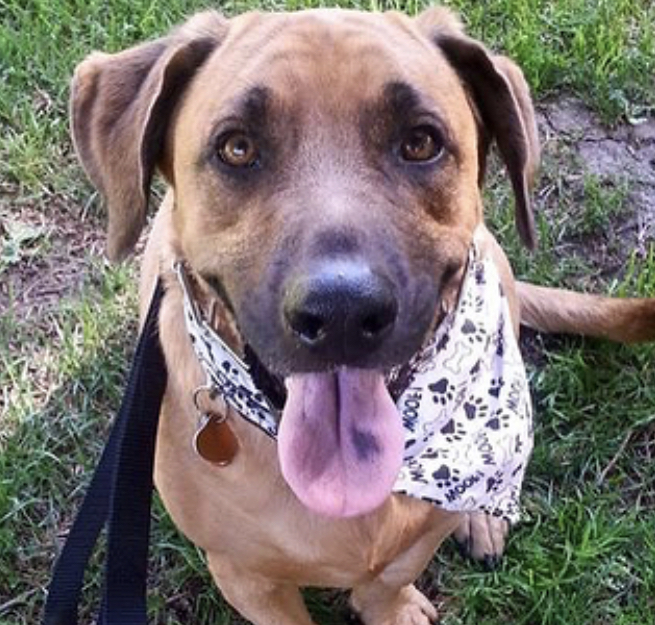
(584,552)
(622,157)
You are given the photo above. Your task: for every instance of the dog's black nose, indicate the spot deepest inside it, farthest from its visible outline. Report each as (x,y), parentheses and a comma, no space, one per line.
(341,311)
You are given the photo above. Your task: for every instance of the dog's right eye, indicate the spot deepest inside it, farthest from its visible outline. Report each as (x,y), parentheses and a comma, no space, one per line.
(421,144)
(237,149)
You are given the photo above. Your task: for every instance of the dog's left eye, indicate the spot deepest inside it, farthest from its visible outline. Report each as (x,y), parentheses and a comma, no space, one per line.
(237,149)
(421,144)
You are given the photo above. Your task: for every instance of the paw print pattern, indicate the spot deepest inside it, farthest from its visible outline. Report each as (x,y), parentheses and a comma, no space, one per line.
(469,439)
(229,377)
(442,391)
(225,376)
(474,302)
(445,476)
(495,483)
(453,431)
(230,370)
(432,454)
(475,408)
(474,333)
(500,419)
(494,511)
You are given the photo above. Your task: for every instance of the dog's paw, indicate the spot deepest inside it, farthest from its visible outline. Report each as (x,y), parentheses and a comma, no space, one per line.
(415,609)
(481,537)
(408,607)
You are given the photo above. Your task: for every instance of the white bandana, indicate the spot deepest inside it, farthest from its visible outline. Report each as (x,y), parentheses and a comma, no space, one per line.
(466,410)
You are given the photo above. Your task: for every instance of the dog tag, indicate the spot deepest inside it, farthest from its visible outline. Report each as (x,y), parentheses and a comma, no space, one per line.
(215,441)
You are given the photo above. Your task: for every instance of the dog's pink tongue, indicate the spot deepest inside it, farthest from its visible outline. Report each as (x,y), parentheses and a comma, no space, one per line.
(340,441)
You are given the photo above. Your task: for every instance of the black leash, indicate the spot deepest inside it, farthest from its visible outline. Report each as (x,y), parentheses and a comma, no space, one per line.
(120,492)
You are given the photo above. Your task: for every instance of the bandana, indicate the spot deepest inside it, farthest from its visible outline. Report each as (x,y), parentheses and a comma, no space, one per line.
(466,410)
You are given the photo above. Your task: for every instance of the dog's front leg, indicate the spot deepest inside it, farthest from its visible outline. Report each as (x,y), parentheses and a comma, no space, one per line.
(390,598)
(261,600)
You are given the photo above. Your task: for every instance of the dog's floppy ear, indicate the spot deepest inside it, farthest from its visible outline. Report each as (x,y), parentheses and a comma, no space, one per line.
(121,105)
(501,98)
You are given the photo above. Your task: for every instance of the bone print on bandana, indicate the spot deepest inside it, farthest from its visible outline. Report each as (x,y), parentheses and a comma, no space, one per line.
(466,410)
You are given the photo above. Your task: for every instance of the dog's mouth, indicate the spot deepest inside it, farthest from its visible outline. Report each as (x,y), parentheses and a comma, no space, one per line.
(273,386)
(341,439)
(340,435)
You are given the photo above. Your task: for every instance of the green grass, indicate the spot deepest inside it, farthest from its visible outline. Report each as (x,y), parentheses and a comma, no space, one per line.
(585,553)
(600,49)
(603,50)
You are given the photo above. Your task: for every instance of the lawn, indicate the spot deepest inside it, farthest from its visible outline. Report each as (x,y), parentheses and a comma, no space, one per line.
(585,552)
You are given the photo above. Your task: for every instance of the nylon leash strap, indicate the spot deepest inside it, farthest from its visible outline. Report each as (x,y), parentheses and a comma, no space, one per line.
(119,494)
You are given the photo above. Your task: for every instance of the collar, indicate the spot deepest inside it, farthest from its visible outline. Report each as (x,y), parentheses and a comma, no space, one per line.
(227,375)
(466,408)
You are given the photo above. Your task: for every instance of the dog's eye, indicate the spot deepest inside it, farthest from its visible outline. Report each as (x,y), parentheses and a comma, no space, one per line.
(421,144)
(237,149)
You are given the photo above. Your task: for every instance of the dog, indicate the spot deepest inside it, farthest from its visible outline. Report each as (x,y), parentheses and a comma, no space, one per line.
(324,174)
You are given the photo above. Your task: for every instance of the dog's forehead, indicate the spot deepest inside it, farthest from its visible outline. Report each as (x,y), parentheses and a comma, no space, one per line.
(326,57)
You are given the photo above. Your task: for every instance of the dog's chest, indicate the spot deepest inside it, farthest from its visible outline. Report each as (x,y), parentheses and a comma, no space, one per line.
(246,512)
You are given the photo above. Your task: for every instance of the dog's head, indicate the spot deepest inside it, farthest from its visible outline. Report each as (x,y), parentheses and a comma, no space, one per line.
(326,168)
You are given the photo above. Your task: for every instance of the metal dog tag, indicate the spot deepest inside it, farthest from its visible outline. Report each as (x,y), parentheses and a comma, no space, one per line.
(215,441)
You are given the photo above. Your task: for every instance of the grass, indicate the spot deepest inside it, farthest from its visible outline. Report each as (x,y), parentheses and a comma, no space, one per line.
(600,49)
(585,551)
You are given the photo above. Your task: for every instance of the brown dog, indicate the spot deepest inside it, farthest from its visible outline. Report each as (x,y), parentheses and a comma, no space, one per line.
(324,170)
